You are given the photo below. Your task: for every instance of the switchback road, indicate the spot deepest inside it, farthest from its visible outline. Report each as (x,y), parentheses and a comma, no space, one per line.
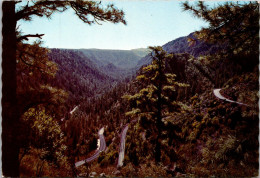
(101,147)
(218,95)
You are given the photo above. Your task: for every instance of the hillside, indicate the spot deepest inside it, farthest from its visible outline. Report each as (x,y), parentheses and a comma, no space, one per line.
(181,45)
(83,75)
(200,121)
(124,59)
(186,109)
(197,114)
(118,64)
(78,75)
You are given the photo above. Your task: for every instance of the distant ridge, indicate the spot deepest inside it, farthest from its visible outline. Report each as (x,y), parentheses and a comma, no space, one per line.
(181,45)
(123,59)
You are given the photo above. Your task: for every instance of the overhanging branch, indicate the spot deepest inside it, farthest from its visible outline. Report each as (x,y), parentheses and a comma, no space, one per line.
(25,37)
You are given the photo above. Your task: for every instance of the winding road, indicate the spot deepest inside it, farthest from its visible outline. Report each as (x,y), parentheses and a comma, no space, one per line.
(218,95)
(122,147)
(101,147)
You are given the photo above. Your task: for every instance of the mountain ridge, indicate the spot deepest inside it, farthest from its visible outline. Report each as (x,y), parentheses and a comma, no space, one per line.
(181,45)
(124,59)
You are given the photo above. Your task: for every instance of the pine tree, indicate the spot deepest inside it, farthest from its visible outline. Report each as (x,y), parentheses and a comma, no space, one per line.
(234,25)
(89,12)
(153,101)
(33,70)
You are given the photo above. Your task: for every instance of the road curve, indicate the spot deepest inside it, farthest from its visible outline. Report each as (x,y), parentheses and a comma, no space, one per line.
(122,147)
(218,95)
(101,147)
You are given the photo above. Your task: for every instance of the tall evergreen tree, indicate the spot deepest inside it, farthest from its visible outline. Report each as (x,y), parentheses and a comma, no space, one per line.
(153,101)
(88,11)
(234,27)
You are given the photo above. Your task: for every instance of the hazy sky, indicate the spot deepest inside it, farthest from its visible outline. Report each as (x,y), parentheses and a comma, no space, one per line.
(149,23)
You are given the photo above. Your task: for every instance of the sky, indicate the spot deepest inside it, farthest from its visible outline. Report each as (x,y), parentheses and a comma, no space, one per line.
(149,23)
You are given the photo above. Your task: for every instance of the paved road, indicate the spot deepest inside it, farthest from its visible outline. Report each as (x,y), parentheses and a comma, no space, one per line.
(73,110)
(122,147)
(101,147)
(218,95)
(102,143)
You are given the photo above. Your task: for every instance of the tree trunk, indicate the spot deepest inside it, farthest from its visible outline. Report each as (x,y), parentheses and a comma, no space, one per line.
(10,118)
(159,117)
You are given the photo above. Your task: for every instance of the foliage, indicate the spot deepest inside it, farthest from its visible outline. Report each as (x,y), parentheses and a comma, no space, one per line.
(157,84)
(39,104)
(144,170)
(78,75)
(232,24)
(215,136)
(33,60)
(202,137)
(33,166)
(32,65)
(45,134)
(83,9)
(34,70)
(153,102)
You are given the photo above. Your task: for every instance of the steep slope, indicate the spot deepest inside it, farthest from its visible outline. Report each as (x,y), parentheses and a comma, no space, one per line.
(124,59)
(118,64)
(78,75)
(86,73)
(181,45)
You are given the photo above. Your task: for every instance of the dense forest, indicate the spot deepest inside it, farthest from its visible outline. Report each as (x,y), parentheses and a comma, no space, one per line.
(164,95)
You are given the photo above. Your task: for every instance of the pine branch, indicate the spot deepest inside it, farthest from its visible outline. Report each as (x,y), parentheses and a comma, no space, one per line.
(26,15)
(16,2)
(83,10)
(25,37)
(41,8)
